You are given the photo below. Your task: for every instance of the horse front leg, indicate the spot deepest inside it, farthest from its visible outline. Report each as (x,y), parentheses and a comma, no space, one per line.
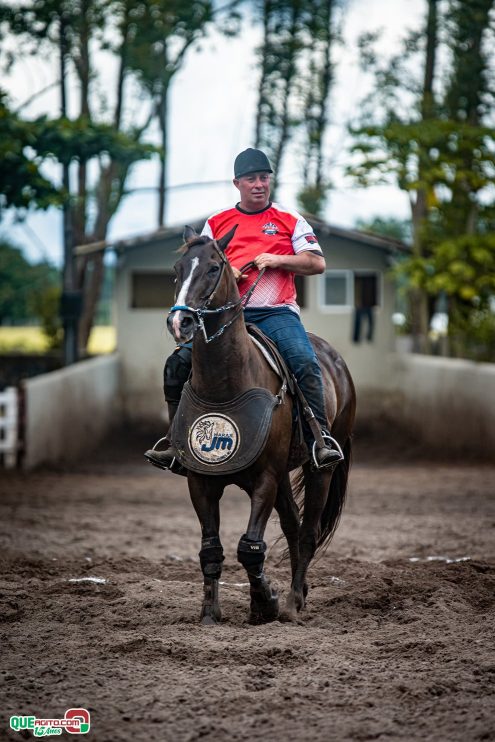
(205,495)
(251,552)
(317,486)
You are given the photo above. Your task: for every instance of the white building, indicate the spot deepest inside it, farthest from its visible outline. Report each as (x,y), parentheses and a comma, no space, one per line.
(358,267)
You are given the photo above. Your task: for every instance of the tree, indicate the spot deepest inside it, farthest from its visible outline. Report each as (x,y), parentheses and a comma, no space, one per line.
(150,39)
(22,283)
(316,93)
(437,148)
(22,184)
(294,85)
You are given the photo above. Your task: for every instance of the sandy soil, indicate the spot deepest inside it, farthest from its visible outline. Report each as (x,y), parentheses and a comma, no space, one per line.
(396,642)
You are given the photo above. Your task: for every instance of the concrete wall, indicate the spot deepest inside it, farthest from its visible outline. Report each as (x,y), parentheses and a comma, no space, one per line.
(70,410)
(447,403)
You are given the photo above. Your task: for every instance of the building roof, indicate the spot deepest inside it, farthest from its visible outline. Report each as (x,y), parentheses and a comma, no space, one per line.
(321,228)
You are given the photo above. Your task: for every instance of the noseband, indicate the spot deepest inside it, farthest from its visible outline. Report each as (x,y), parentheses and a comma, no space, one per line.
(201,312)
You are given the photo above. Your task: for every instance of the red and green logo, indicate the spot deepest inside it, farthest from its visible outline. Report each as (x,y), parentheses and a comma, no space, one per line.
(75,721)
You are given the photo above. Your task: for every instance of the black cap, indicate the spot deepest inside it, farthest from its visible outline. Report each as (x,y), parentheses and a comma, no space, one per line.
(251,161)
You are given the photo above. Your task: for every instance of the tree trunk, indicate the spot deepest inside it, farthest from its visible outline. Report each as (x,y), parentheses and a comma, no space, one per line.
(162,183)
(265,50)
(418,298)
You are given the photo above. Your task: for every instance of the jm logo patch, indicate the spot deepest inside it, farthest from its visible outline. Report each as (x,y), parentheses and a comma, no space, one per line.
(214,438)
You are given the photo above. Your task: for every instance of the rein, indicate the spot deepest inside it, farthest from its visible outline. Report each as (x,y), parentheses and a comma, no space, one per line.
(201,312)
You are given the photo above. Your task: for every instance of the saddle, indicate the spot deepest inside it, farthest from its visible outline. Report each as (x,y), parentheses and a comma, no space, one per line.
(227,437)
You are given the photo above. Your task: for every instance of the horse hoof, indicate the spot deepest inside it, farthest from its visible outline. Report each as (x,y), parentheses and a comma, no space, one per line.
(209,621)
(263,611)
(287,616)
(295,603)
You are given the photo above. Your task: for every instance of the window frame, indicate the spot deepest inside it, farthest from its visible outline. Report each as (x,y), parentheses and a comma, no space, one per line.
(330,308)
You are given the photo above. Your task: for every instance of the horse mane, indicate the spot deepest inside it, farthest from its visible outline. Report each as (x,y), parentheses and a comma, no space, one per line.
(201,239)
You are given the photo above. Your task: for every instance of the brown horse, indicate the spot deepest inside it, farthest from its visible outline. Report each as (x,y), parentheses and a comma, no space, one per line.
(226,364)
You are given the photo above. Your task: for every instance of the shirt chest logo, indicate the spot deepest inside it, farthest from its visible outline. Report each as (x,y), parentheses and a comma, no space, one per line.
(269,228)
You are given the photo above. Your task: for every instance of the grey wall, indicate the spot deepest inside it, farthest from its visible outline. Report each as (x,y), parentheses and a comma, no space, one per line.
(69,411)
(446,403)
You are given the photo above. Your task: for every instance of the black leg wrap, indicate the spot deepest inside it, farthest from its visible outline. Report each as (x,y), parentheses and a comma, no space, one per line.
(211,557)
(251,554)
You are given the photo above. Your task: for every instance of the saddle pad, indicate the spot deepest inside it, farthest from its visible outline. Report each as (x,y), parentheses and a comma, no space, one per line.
(223,437)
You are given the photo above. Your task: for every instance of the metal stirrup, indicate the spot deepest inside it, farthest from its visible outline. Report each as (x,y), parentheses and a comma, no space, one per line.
(155,449)
(334,444)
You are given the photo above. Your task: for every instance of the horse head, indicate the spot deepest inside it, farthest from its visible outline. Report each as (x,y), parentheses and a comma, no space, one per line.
(204,282)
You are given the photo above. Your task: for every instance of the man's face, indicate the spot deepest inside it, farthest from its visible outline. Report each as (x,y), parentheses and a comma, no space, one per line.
(254,189)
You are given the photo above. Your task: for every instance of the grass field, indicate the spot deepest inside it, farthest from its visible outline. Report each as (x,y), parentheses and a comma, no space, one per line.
(32,340)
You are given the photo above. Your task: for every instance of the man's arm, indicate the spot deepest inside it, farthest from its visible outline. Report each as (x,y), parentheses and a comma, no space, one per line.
(305,263)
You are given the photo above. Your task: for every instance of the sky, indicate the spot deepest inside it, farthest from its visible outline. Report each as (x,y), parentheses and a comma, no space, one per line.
(213,105)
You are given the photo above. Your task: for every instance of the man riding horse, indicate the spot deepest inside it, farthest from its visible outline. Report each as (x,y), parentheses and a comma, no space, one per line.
(283,243)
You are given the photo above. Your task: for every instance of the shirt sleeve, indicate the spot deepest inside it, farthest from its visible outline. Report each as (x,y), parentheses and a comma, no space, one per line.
(304,239)
(207,230)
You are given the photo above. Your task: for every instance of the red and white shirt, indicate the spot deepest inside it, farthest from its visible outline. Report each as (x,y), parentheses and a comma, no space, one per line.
(274,230)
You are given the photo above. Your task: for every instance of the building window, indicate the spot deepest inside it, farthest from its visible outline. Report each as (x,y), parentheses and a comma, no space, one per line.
(152,290)
(345,289)
(337,289)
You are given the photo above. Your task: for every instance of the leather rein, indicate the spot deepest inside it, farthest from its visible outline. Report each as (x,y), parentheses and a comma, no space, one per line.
(201,312)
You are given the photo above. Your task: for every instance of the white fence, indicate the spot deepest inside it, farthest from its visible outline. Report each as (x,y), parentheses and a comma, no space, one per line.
(9,426)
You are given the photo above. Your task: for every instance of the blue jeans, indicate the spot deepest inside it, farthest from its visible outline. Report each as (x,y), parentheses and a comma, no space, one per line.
(286,330)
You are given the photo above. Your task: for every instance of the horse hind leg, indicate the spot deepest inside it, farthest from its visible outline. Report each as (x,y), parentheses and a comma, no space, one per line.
(317,486)
(288,513)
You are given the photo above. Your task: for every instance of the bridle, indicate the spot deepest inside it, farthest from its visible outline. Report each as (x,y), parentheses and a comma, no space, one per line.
(201,312)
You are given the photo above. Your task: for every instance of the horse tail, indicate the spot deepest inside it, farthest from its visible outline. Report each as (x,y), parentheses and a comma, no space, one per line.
(334,505)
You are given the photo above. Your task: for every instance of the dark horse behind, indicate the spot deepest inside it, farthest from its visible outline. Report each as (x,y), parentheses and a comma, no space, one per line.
(226,364)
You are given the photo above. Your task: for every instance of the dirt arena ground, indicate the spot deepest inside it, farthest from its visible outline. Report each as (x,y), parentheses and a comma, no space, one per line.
(396,642)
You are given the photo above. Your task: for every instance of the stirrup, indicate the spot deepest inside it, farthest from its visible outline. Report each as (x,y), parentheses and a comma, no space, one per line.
(334,444)
(172,463)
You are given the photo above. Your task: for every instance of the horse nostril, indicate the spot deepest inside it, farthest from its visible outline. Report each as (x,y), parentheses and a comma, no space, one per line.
(186,324)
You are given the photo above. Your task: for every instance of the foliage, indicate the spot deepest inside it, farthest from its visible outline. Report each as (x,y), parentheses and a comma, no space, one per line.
(47,308)
(21,182)
(149,40)
(436,143)
(22,283)
(294,87)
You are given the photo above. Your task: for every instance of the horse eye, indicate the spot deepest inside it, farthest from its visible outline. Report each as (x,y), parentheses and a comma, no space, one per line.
(214,269)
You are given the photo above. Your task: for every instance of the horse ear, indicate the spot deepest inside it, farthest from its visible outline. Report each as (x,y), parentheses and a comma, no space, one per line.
(224,241)
(189,233)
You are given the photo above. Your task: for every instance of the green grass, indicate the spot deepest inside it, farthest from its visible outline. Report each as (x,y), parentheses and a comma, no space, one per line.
(32,340)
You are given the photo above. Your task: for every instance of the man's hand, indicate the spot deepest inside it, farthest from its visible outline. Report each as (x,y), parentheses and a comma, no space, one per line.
(237,273)
(267,260)
(306,263)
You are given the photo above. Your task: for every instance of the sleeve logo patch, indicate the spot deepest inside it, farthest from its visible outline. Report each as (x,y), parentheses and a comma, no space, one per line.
(269,228)
(311,239)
